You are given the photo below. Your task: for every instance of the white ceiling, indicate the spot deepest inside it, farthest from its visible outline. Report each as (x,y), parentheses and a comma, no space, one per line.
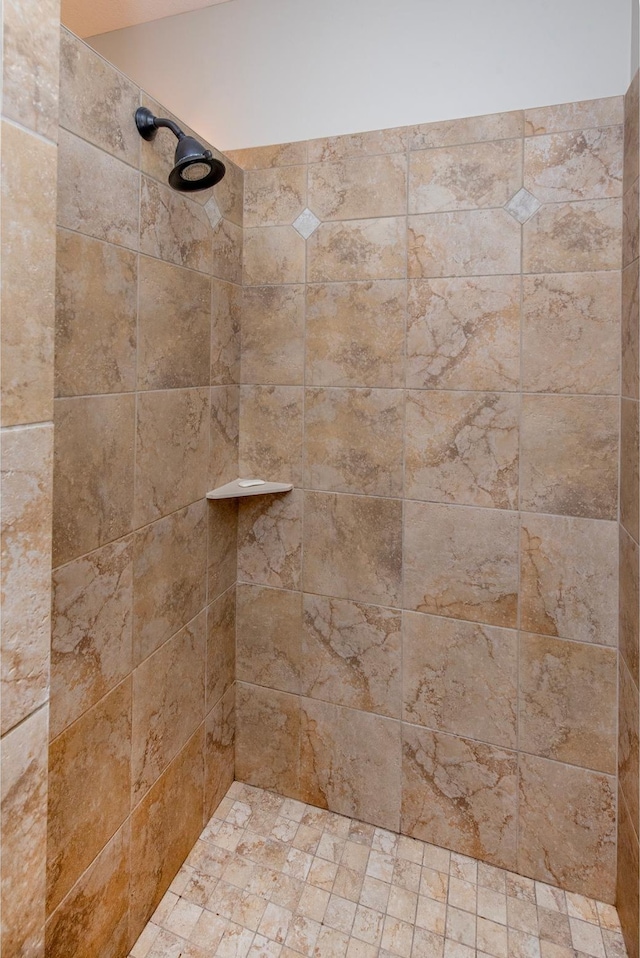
(88,18)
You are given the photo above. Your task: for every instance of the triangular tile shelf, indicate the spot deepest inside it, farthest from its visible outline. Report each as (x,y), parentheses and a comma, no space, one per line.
(253,487)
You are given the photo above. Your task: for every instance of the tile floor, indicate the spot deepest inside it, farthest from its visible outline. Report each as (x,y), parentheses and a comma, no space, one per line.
(273,878)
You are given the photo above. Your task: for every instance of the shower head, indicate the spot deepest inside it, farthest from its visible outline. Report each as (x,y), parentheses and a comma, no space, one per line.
(195,168)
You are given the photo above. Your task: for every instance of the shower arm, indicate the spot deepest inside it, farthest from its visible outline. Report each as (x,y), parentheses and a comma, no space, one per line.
(148,124)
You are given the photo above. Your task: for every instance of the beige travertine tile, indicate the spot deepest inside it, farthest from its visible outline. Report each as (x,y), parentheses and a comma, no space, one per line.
(263,157)
(357,250)
(270,540)
(353,440)
(460,794)
(559,683)
(351,654)
(568,578)
(476,577)
(219,756)
(568,455)
(460,677)
(268,640)
(628,864)
(570,333)
(174,319)
(173,227)
(471,129)
(93,918)
(89,782)
(222,518)
(223,438)
(226,313)
(168,704)
(27,245)
(170,557)
(164,828)
(221,643)
(630,331)
(97,102)
(628,720)
(350,762)
(579,115)
(172,447)
(466,243)
(567,827)
(630,467)
(95,329)
(462,447)
(468,177)
(464,333)
(24,836)
(27,456)
(370,143)
(359,187)
(273,335)
(570,237)
(579,165)
(91,633)
(275,196)
(630,225)
(92,473)
(229,191)
(629,624)
(631,153)
(271,432)
(31,63)
(267,738)
(355,334)
(353,547)
(227,240)
(110,213)
(273,255)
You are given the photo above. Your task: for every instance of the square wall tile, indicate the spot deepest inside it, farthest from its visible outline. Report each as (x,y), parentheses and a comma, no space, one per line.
(631,331)
(223,435)
(569,455)
(173,227)
(630,467)
(221,647)
(219,755)
(460,677)
(96,315)
(27,458)
(267,738)
(373,142)
(353,440)
(477,575)
(469,177)
(630,225)
(226,313)
(357,250)
(271,433)
(475,243)
(628,864)
(577,165)
(263,157)
(273,255)
(559,683)
(273,330)
(227,241)
(355,333)
(568,578)
(270,540)
(359,187)
(628,746)
(31,64)
(573,237)
(629,621)
(470,129)
(631,153)
(567,827)
(274,196)
(350,762)
(222,539)
(464,333)
(92,473)
(351,654)
(353,547)
(459,794)
(268,639)
(462,447)
(579,115)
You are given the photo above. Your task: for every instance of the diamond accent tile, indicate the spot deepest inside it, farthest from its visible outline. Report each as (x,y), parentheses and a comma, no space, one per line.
(523,205)
(306,224)
(213,212)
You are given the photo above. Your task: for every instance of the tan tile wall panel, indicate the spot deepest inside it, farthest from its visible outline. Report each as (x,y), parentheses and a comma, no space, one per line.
(629,609)
(28,158)
(147,366)
(425,622)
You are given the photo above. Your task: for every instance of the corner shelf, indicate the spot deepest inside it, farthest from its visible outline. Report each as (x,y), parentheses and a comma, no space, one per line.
(233,490)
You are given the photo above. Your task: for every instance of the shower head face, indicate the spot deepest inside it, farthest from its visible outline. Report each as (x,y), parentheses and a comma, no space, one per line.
(195,167)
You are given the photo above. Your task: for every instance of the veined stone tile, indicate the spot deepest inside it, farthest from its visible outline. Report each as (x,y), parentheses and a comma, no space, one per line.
(220,731)
(467,243)
(631,133)
(470,177)
(274,196)
(223,436)
(267,738)
(273,330)
(571,237)
(228,250)
(221,647)
(629,623)
(630,467)
(173,227)
(630,225)
(273,255)
(628,717)
(271,426)
(357,250)
(373,142)
(358,187)
(268,640)
(31,65)
(270,540)
(472,129)
(631,331)
(581,165)
(579,115)
(263,157)
(222,539)
(226,312)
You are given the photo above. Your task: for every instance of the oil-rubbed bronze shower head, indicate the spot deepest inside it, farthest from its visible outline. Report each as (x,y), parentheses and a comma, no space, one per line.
(195,168)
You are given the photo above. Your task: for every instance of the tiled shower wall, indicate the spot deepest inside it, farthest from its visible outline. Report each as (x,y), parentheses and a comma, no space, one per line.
(29,152)
(142,654)
(628,822)
(427,625)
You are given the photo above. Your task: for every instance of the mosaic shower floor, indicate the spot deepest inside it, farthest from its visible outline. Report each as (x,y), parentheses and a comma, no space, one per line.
(274,878)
